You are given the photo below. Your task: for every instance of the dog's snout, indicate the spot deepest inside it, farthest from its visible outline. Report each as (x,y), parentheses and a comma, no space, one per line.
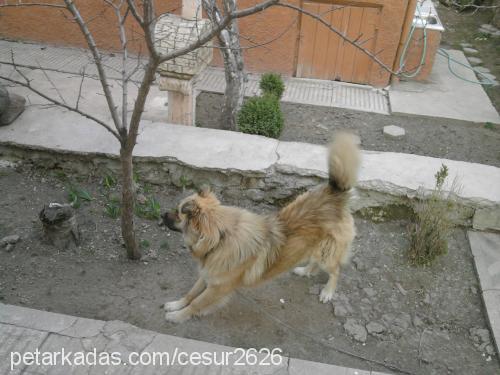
(169,219)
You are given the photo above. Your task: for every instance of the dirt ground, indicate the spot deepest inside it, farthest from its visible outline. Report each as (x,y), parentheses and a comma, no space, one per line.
(438,137)
(420,318)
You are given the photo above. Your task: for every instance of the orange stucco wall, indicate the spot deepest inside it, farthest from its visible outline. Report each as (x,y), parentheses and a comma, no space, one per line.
(51,26)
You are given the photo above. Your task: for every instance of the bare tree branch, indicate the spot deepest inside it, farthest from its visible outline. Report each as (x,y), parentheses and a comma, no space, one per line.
(98,62)
(80,89)
(21,4)
(61,104)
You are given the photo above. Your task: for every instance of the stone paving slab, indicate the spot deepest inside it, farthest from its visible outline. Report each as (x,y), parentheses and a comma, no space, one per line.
(17,339)
(485,248)
(307,91)
(445,95)
(119,340)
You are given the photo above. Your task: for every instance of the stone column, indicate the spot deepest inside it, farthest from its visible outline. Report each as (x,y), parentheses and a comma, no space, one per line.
(177,75)
(181,100)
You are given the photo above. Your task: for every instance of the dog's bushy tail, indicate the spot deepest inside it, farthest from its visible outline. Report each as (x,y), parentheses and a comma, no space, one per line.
(344,159)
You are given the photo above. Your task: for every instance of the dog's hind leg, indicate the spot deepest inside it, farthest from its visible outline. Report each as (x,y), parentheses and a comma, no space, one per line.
(204,303)
(195,291)
(307,271)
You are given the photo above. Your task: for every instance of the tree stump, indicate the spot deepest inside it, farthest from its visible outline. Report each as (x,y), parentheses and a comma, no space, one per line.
(59,224)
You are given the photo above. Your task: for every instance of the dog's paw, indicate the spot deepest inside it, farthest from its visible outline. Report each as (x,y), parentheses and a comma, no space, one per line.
(301,271)
(326,295)
(178,316)
(174,305)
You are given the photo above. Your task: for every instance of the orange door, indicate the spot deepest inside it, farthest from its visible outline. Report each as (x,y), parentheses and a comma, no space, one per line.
(325,55)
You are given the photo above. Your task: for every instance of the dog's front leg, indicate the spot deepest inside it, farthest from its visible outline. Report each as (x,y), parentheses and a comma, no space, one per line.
(195,291)
(210,297)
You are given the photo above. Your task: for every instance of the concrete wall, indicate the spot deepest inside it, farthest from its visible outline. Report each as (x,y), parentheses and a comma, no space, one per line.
(50,26)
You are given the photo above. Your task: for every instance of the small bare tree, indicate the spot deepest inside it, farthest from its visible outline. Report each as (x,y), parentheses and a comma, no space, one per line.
(234,67)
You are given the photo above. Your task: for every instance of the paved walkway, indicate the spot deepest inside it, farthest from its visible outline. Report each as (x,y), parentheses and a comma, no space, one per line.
(445,95)
(122,346)
(486,250)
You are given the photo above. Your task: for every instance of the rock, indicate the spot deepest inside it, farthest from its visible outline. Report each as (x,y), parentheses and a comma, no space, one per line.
(475,60)
(487,26)
(490,30)
(375,328)
(489,349)
(359,263)
(394,131)
(433,343)
(315,289)
(355,330)
(417,322)
(9,240)
(370,292)
(480,335)
(487,78)
(473,290)
(400,324)
(340,311)
(470,51)
(9,247)
(141,199)
(465,45)
(12,239)
(373,271)
(482,69)
(401,289)
(427,299)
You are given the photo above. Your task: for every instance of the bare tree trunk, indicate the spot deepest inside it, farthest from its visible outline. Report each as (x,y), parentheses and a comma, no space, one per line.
(235,75)
(128,201)
(234,68)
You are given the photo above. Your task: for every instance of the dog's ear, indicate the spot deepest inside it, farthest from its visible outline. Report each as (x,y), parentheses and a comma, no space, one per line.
(204,190)
(189,208)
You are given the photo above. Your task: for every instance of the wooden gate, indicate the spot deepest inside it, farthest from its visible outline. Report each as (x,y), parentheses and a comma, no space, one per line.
(325,55)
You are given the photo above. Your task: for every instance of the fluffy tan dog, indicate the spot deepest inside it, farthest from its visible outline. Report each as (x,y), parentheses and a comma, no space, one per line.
(237,248)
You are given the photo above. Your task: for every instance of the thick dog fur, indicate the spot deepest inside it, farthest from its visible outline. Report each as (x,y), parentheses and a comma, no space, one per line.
(237,248)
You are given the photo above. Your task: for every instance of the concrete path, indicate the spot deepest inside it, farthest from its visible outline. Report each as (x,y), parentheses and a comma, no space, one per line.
(117,347)
(486,250)
(308,91)
(445,95)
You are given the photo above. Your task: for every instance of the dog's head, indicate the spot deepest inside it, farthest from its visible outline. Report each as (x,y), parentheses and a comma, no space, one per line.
(193,214)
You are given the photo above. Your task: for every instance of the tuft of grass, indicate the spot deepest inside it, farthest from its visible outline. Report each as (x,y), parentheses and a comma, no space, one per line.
(145,244)
(164,245)
(112,209)
(150,209)
(489,125)
(77,194)
(432,221)
(109,181)
(60,175)
(185,182)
